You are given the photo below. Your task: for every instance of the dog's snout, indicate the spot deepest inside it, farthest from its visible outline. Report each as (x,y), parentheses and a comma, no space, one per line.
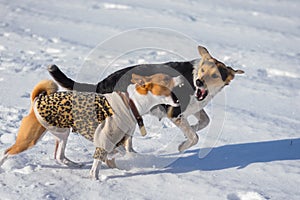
(199,83)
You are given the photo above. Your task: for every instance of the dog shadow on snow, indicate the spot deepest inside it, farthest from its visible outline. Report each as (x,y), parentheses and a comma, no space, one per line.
(229,156)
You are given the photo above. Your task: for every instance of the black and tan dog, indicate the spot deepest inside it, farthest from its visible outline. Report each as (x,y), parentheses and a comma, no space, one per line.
(105,119)
(204,78)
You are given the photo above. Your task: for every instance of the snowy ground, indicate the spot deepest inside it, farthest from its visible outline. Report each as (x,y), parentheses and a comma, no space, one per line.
(258,151)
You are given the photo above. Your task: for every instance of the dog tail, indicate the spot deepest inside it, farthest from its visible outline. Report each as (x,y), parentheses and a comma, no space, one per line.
(68,83)
(29,134)
(45,86)
(30,130)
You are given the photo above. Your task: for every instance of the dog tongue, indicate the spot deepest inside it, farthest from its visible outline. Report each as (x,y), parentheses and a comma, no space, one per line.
(200,93)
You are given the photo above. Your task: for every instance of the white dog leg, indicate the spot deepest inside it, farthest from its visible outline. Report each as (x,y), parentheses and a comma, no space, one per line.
(62,136)
(94,172)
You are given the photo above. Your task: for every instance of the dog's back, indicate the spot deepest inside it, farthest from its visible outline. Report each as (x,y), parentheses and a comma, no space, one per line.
(119,80)
(81,111)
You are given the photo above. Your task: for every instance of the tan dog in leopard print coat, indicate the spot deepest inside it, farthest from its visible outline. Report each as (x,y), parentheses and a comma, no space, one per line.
(106,119)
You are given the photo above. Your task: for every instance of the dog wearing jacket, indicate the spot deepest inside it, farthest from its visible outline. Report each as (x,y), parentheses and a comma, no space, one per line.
(203,79)
(104,119)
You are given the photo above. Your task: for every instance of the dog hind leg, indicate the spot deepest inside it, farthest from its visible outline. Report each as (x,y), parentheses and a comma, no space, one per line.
(56,148)
(62,136)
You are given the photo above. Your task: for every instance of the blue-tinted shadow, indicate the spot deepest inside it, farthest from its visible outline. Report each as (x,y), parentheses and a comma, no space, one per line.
(238,156)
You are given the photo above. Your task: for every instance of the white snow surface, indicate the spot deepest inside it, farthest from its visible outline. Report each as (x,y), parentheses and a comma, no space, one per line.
(257,154)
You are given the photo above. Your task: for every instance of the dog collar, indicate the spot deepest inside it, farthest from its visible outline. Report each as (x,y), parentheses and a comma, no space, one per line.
(128,102)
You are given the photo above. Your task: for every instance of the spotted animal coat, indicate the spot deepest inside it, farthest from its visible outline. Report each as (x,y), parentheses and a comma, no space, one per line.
(80,111)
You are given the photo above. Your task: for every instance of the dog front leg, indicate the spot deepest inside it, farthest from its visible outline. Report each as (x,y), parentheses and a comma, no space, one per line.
(94,172)
(190,134)
(99,156)
(203,120)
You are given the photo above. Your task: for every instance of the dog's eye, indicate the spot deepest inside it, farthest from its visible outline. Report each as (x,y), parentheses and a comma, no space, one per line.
(214,76)
(202,70)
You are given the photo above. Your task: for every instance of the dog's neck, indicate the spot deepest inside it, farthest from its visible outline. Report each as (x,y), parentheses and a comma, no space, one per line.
(143,103)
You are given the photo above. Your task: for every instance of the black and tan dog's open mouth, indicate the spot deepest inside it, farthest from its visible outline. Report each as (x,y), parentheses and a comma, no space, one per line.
(201,93)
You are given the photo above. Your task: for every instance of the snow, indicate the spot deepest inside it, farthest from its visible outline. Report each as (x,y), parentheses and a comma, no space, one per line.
(254,155)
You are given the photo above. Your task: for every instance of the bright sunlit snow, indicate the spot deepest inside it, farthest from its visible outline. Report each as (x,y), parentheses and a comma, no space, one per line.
(255,157)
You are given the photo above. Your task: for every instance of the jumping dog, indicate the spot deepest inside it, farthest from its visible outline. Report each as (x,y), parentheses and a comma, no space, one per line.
(203,79)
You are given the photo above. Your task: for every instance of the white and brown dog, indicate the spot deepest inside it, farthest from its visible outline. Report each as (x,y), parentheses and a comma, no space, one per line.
(203,79)
(105,119)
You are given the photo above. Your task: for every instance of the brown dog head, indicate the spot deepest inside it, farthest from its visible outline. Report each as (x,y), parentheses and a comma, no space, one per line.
(211,75)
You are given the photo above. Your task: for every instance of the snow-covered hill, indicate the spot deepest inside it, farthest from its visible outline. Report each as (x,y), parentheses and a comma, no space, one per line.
(255,156)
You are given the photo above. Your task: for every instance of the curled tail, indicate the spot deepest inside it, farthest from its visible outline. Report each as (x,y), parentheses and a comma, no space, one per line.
(47,86)
(68,83)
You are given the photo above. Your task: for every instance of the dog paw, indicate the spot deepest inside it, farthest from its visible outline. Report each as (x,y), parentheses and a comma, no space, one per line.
(93,177)
(185,145)
(131,150)
(70,163)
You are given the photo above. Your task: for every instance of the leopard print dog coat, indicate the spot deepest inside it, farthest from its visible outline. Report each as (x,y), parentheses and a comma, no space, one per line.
(81,111)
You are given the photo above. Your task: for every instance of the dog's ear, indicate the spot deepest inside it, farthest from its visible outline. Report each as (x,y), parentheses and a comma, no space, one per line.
(239,71)
(204,53)
(233,71)
(137,79)
(232,74)
(142,82)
